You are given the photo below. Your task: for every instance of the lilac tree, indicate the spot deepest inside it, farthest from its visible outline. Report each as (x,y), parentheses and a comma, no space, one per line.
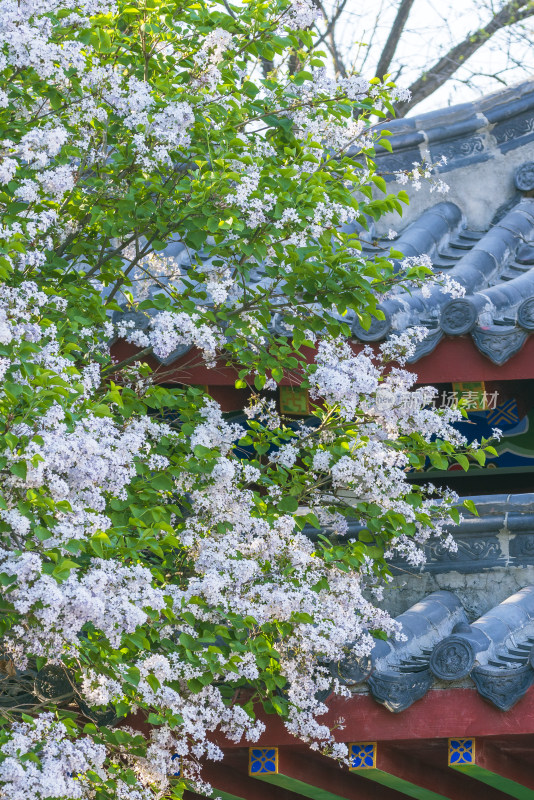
(148,570)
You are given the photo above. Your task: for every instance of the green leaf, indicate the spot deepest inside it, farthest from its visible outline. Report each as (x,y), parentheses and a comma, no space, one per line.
(386,144)
(153,682)
(463,461)
(480,456)
(196,238)
(288,504)
(19,469)
(469,504)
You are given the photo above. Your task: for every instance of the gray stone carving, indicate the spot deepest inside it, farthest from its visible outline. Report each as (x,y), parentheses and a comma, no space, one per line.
(499,345)
(496,650)
(524,177)
(471,549)
(460,132)
(452,659)
(509,134)
(458,317)
(399,691)
(351,670)
(426,346)
(522,546)
(503,687)
(525,314)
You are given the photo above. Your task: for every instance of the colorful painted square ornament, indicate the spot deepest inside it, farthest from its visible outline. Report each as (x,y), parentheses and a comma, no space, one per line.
(362,755)
(461,751)
(263,761)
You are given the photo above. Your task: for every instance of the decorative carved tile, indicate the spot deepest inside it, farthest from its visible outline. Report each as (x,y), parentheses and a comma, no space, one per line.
(263,761)
(461,751)
(362,755)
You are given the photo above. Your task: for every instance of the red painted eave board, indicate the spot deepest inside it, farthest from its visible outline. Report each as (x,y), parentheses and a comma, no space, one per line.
(454,360)
(458,359)
(441,714)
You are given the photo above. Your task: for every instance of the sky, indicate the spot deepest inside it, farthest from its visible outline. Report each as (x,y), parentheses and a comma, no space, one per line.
(433,27)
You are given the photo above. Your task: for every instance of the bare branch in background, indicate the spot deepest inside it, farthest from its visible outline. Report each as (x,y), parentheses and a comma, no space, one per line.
(329,36)
(393,39)
(447,65)
(431,44)
(331,23)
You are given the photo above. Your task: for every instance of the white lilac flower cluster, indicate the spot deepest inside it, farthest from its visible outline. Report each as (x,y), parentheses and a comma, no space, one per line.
(107,595)
(401,347)
(301,14)
(76,458)
(424,170)
(202,712)
(216,43)
(444,283)
(82,465)
(440,282)
(255,208)
(170,330)
(264,410)
(158,129)
(208,56)
(239,558)
(79,464)
(230,567)
(40,760)
(422,260)
(447,285)
(342,378)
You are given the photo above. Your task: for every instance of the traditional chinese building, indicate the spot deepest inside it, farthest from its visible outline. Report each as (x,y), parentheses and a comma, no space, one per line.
(451,706)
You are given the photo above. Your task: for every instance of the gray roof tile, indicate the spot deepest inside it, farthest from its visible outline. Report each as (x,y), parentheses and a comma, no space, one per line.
(496,270)
(495,267)
(495,651)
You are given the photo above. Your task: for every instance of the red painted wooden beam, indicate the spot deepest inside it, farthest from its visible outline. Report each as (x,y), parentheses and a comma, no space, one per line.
(328,776)
(441,714)
(458,359)
(230,781)
(413,769)
(497,760)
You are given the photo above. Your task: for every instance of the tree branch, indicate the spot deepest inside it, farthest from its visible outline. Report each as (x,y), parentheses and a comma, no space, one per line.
(331,22)
(442,70)
(393,39)
(332,45)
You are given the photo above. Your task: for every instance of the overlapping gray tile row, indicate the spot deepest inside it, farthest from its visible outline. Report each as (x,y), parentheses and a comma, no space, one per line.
(494,270)
(501,536)
(495,267)
(438,643)
(465,134)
